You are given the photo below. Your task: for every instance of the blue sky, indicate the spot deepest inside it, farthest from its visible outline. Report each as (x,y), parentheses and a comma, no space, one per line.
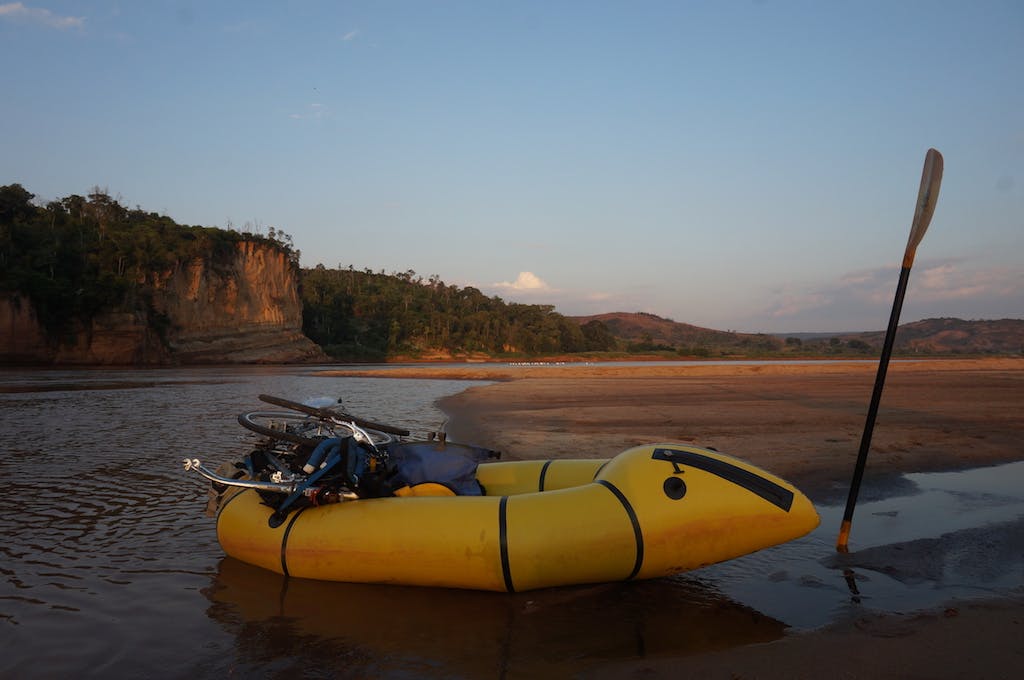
(744,165)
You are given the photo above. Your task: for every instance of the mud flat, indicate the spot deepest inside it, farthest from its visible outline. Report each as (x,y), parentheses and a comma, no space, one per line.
(803,422)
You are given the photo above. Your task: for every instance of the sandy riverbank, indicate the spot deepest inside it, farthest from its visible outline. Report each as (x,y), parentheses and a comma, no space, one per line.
(803,422)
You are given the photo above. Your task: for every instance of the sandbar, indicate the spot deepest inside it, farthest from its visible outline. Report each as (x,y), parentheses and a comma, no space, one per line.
(804,422)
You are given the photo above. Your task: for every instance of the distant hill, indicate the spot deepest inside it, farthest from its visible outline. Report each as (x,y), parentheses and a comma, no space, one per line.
(953,336)
(641,331)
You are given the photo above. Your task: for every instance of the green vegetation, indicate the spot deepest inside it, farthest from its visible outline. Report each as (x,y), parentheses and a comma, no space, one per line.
(362,315)
(80,256)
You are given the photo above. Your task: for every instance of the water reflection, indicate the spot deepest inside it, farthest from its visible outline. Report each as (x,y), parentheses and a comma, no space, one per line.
(392,631)
(103,542)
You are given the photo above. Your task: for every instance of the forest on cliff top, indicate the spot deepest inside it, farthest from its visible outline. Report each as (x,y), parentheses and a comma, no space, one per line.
(81,256)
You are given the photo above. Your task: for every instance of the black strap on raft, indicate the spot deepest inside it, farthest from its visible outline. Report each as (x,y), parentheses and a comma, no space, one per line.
(775,494)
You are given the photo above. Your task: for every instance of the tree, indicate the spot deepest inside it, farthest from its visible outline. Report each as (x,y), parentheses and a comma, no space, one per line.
(80,256)
(15,204)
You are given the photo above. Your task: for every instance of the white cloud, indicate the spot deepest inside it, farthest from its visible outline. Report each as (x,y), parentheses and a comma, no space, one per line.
(792,304)
(528,288)
(350,36)
(313,111)
(951,281)
(39,15)
(526,282)
(859,300)
(859,277)
(951,287)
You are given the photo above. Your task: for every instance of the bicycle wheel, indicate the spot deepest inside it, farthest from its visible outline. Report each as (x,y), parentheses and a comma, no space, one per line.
(300,429)
(326,414)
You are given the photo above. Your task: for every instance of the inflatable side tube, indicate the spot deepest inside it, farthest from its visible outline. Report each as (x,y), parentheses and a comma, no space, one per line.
(512,478)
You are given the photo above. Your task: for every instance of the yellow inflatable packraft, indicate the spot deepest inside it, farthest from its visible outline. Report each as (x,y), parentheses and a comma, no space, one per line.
(649,512)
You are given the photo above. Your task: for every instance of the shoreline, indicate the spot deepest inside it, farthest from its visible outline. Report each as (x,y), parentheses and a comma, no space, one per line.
(682,368)
(804,423)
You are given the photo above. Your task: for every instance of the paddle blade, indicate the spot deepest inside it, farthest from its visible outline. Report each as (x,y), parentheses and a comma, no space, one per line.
(931,178)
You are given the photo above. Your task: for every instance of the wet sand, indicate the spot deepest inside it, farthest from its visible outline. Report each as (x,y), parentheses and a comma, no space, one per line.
(804,423)
(971,642)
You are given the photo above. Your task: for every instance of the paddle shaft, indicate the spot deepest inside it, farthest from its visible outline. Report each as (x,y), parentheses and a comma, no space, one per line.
(928,194)
(876,398)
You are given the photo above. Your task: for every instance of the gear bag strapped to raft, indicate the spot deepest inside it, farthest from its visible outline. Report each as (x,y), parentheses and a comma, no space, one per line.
(452,466)
(448,469)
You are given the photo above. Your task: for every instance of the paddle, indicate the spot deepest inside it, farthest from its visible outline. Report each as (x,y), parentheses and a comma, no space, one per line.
(931,178)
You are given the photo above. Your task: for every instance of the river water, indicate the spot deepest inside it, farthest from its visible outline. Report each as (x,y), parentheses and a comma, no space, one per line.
(110,567)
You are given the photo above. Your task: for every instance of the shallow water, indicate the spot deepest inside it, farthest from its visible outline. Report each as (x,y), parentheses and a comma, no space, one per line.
(110,567)
(955,535)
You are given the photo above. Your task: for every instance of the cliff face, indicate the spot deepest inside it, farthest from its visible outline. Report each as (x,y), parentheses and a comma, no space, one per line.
(243,310)
(248,312)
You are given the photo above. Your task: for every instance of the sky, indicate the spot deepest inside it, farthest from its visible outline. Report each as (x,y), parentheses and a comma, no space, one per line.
(748,165)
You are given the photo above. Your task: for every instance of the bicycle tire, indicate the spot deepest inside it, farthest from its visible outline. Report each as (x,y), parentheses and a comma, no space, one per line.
(249,421)
(246,421)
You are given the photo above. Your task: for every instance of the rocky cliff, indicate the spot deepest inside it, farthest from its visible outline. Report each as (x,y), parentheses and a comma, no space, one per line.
(244,309)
